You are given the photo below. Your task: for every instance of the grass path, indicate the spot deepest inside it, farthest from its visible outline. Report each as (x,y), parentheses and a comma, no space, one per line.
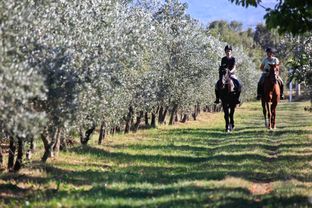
(187,165)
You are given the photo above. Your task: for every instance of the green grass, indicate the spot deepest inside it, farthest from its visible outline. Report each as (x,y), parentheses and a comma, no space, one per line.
(188,165)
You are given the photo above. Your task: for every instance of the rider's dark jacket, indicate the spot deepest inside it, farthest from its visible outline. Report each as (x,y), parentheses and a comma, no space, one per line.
(227,63)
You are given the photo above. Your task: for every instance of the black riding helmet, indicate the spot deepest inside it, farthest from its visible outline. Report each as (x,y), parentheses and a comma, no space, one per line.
(228,47)
(272,50)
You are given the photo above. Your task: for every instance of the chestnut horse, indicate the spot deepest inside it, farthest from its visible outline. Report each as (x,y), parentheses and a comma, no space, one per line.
(271,96)
(227,96)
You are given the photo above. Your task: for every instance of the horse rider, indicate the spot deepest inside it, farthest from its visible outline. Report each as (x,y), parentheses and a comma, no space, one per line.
(265,67)
(228,61)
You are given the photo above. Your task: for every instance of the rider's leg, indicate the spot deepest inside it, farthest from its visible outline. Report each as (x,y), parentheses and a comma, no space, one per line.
(260,86)
(281,84)
(217,92)
(259,91)
(238,90)
(237,97)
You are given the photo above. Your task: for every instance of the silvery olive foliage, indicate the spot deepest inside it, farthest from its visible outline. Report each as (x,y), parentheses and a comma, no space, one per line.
(300,64)
(246,74)
(74,64)
(20,82)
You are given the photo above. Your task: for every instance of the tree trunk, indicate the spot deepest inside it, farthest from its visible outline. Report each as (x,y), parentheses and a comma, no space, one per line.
(127,127)
(118,130)
(85,137)
(31,149)
(112,131)
(64,140)
(32,146)
(185,118)
(138,121)
(198,109)
(176,119)
(44,137)
(165,114)
(102,133)
(160,115)
(194,116)
(19,158)
(128,120)
(45,140)
(173,113)
(146,119)
(153,120)
(12,149)
(1,157)
(57,143)
(205,109)
(48,144)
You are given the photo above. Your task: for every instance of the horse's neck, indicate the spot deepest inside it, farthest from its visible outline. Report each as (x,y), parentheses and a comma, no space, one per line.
(273,73)
(228,83)
(225,79)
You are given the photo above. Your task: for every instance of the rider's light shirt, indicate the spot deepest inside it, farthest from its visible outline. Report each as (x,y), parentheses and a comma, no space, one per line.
(268,61)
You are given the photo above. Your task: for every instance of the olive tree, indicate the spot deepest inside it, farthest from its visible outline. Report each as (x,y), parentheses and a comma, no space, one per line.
(20,82)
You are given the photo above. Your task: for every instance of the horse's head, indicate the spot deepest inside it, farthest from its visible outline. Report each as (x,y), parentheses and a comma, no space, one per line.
(225,74)
(226,80)
(274,72)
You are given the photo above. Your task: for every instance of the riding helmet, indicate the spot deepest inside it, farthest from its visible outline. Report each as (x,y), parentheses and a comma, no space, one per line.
(228,47)
(272,50)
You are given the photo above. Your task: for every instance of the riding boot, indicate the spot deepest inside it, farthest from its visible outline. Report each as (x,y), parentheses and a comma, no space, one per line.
(281,89)
(237,101)
(259,91)
(217,101)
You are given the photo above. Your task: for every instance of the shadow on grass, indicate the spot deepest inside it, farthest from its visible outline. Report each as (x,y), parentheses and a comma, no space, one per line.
(217,136)
(252,154)
(190,195)
(172,168)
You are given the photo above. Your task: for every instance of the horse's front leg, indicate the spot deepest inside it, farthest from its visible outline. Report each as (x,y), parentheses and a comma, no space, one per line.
(232,111)
(226,117)
(273,115)
(269,114)
(264,111)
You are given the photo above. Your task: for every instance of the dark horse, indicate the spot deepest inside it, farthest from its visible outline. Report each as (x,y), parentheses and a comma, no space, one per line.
(227,96)
(271,96)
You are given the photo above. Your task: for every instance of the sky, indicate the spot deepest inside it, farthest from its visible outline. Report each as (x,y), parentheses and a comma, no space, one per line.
(209,10)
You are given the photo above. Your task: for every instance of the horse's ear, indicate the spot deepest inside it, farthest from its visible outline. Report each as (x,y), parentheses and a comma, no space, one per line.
(274,65)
